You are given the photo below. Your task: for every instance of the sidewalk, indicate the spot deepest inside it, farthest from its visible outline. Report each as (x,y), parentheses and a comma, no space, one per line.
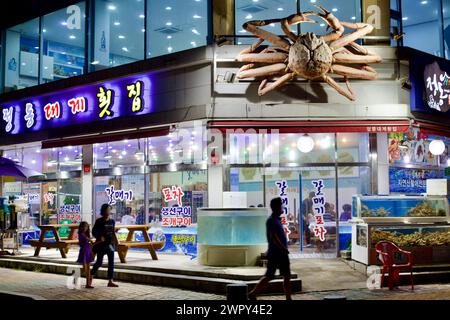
(53,286)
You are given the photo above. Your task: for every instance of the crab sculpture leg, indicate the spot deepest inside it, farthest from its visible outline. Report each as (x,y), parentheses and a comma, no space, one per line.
(341,46)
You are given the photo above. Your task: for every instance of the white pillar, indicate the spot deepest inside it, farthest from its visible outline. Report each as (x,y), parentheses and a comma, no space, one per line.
(215,186)
(383,163)
(87,185)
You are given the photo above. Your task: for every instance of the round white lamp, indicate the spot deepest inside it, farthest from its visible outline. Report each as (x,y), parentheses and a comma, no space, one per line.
(305,144)
(437,147)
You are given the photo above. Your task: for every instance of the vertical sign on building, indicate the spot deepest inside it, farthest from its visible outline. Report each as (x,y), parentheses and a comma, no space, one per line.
(319,210)
(282,193)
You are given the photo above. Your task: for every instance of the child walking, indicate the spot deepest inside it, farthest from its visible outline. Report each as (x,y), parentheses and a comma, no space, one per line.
(85,257)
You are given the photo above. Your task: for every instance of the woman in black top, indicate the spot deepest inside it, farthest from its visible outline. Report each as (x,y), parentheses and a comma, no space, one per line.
(105,243)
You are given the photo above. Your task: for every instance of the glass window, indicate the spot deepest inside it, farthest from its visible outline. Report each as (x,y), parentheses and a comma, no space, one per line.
(127,210)
(186,144)
(246,10)
(344,10)
(69,201)
(296,186)
(176,25)
(322,152)
(119,32)
(353,147)
(422,27)
(22,55)
(63,33)
(250,181)
(446,15)
(352,181)
(34,158)
(252,148)
(118,153)
(173,214)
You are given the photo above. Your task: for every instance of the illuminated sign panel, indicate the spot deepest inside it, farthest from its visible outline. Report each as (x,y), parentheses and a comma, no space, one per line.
(122,97)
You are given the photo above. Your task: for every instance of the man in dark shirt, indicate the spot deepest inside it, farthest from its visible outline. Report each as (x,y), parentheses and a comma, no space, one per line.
(277,254)
(105,243)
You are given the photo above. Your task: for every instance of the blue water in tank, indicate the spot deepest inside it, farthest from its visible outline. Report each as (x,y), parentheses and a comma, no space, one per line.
(232,227)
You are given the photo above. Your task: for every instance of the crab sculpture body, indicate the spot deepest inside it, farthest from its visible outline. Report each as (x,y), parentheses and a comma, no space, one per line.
(308,56)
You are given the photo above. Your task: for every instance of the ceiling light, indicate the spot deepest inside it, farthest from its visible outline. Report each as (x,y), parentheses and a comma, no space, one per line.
(169,37)
(168,23)
(124,153)
(437,147)
(142,16)
(125,49)
(72,36)
(305,143)
(95,62)
(121,36)
(196,16)
(107,155)
(168,8)
(112,7)
(64,23)
(169,49)
(195,31)
(117,23)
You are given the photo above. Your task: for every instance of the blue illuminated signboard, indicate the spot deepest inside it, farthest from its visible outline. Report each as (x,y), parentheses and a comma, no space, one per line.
(122,97)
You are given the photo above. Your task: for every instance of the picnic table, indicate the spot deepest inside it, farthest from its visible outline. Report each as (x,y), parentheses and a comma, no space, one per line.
(123,246)
(61,243)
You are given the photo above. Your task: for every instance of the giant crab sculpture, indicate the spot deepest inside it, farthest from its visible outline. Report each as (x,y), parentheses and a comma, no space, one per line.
(307,55)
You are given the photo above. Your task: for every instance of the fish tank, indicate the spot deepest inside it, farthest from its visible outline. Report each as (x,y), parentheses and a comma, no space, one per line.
(400,208)
(231,237)
(429,243)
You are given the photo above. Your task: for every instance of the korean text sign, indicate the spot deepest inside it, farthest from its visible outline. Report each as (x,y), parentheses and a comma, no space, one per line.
(319,210)
(122,97)
(430,84)
(176,215)
(282,192)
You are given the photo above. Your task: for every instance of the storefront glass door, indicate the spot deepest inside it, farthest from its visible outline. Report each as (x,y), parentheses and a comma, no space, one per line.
(309,195)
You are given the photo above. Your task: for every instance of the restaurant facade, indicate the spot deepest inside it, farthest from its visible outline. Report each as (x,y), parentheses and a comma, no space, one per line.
(162,135)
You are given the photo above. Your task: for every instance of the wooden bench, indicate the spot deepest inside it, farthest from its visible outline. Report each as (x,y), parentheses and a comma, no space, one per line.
(57,242)
(123,246)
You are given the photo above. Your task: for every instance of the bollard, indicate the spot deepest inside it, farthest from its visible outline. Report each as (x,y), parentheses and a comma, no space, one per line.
(335,297)
(237,292)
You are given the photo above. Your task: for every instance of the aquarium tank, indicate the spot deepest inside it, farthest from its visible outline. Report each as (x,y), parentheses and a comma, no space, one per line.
(399,206)
(232,227)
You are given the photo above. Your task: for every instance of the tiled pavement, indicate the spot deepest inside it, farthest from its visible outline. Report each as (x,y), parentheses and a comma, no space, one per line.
(53,286)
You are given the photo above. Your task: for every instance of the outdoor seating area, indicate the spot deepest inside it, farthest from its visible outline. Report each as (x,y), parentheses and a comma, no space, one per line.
(123,246)
(61,243)
(64,243)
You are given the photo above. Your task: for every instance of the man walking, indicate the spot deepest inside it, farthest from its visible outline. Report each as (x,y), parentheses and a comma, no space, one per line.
(277,254)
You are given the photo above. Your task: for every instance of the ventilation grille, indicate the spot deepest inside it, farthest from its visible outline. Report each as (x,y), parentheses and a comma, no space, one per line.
(252,8)
(168,30)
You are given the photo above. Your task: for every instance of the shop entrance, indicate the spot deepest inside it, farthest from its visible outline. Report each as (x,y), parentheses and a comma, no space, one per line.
(297,186)
(309,195)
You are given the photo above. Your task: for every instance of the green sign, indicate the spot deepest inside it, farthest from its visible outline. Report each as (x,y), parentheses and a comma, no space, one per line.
(447,172)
